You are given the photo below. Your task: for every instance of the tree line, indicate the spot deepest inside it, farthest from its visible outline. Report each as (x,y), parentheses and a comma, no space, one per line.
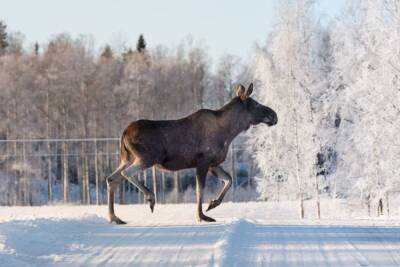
(65,89)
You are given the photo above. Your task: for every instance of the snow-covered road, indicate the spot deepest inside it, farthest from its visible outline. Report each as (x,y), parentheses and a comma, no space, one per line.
(243,236)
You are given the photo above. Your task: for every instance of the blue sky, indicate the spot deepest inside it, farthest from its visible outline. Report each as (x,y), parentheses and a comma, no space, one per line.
(224,26)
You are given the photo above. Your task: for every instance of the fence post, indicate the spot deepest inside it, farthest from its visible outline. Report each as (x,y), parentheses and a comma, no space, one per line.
(16,176)
(49,174)
(80,181)
(85,164)
(65,172)
(96,173)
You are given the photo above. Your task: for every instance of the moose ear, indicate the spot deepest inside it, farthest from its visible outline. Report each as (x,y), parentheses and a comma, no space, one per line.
(249,90)
(240,91)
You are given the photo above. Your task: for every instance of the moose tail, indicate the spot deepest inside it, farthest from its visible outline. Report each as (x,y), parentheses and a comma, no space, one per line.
(123,151)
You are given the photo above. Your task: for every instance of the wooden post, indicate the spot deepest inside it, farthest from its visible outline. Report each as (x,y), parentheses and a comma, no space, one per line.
(49,175)
(96,173)
(65,152)
(16,176)
(65,172)
(82,175)
(78,174)
(85,163)
(24,176)
(8,158)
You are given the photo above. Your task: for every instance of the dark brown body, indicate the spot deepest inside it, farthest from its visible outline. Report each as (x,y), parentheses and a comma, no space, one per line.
(200,138)
(199,141)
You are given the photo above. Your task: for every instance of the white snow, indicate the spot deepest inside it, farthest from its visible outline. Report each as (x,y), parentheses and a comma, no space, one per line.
(245,234)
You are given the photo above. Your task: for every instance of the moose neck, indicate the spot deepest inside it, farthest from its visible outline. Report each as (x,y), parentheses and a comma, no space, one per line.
(233,120)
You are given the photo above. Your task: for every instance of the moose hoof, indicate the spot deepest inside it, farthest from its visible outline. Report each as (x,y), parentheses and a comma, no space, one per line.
(213,204)
(205,218)
(152,202)
(116,220)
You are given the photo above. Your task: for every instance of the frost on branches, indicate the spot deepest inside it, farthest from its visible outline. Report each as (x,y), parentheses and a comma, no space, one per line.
(336,92)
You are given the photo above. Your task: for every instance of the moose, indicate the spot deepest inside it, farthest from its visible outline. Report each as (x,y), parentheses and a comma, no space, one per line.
(200,140)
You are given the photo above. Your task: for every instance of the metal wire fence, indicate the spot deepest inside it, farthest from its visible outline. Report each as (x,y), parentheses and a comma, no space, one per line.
(42,171)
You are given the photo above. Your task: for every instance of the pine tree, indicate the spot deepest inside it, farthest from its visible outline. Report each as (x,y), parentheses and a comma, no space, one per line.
(36,48)
(3,37)
(107,52)
(141,44)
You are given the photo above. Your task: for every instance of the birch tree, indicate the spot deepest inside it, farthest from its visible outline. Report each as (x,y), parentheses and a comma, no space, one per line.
(286,72)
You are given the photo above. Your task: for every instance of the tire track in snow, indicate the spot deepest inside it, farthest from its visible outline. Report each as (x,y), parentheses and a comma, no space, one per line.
(185,243)
(127,245)
(356,252)
(158,245)
(127,250)
(326,247)
(394,252)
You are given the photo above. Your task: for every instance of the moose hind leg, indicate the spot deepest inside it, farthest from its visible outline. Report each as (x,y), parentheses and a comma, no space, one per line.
(130,174)
(112,181)
(223,175)
(200,182)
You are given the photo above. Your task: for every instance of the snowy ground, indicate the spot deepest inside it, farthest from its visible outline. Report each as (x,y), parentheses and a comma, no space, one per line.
(246,234)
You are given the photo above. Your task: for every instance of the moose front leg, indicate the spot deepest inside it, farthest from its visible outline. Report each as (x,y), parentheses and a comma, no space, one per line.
(223,175)
(201,174)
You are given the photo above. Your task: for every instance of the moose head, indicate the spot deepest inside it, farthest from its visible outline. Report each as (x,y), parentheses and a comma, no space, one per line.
(255,112)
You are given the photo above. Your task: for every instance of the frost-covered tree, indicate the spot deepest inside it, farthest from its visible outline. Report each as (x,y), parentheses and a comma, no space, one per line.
(369,102)
(285,69)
